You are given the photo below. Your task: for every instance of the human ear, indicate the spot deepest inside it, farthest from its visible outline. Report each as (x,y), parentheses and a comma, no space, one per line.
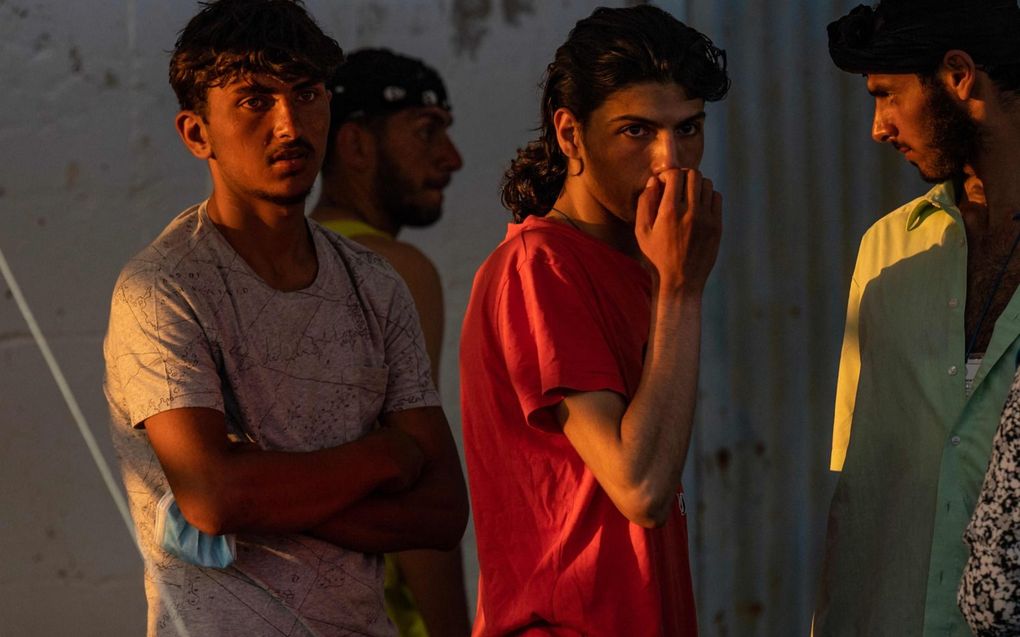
(192,128)
(568,133)
(960,73)
(355,145)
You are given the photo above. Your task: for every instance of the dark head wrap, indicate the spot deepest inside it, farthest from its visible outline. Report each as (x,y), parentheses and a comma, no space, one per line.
(912,36)
(377,81)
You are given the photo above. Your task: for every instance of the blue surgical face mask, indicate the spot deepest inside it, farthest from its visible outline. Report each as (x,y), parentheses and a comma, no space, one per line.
(178,538)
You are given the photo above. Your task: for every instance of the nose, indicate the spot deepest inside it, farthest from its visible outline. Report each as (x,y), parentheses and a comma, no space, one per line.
(448,155)
(882,130)
(287,124)
(667,153)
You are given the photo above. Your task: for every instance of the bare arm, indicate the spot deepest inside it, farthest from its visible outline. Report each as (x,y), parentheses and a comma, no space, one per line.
(637,451)
(224,488)
(422,279)
(431,514)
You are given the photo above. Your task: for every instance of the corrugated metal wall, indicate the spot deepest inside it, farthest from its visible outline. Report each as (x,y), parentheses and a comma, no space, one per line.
(791,150)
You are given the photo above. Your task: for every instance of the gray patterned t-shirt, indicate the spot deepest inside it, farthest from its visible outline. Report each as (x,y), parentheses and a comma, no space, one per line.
(191,325)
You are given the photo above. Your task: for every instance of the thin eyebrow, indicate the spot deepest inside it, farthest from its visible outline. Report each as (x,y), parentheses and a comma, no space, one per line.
(257,88)
(637,119)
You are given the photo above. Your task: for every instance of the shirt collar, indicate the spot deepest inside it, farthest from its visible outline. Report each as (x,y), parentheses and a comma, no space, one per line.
(941,197)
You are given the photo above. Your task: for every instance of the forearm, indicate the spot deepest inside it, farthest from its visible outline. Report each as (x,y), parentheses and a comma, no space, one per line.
(225,488)
(427,516)
(637,450)
(430,514)
(655,431)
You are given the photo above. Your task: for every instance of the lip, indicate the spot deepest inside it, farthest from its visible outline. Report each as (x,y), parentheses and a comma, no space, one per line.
(291,160)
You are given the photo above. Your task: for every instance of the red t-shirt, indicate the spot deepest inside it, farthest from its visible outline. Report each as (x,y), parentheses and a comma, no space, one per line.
(553,309)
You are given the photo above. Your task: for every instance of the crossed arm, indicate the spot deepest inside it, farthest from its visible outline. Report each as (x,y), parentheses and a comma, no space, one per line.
(393,489)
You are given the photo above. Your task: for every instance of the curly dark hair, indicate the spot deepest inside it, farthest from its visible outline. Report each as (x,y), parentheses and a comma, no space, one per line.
(229,39)
(605,52)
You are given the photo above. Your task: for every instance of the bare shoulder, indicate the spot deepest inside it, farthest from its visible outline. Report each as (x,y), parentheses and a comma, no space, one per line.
(411,264)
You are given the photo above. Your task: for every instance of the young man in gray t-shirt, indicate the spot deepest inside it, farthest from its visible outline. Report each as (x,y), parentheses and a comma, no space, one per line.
(244,320)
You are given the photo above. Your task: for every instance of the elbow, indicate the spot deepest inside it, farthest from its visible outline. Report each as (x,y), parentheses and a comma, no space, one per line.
(451,528)
(207,511)
(646,507)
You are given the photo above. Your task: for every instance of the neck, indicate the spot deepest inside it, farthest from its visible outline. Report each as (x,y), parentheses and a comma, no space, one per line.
(273,239)
(592,218)
(352,201)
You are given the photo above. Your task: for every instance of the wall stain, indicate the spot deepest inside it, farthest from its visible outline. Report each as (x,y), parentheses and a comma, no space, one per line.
(71,175)
(514,9)
(110,79)
(371,19)
(3,191)
(470,16)
(722,458)
(469,28)
(41,42)
(41,222)
(752,610)
(76,62)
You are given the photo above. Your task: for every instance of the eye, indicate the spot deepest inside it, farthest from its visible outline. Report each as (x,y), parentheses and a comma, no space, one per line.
(256,103)
(689,129)
(427,132)
(634,130)
(307,95)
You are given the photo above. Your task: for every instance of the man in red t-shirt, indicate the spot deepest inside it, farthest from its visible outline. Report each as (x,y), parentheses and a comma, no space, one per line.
(579,351)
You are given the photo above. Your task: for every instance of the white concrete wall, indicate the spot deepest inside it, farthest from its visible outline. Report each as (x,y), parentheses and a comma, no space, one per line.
(92,170)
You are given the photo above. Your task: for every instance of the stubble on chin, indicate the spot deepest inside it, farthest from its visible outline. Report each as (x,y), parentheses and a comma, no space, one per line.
(284,199)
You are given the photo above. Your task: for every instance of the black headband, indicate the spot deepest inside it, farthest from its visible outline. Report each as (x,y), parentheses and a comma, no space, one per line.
(913,36)
(373,81)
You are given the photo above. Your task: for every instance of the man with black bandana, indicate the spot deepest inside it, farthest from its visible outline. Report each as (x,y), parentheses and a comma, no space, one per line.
(388,159)
(933,321)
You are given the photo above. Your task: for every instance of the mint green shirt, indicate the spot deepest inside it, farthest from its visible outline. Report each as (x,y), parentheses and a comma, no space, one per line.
(912,448)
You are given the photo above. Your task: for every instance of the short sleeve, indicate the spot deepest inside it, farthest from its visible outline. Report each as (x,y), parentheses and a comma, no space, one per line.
(158,357)
(553,338)
(409,382)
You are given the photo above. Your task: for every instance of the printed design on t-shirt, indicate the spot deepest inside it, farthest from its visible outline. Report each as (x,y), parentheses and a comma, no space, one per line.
(192,326)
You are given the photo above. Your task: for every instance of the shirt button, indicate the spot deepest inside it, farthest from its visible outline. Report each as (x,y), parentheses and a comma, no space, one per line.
(955,440)
(952,370)
(962,242)
(953,303)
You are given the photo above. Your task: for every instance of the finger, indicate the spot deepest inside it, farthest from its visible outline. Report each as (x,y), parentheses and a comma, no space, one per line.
(707,192)
(694,179)
(648,204)
(717,204)
(672,192)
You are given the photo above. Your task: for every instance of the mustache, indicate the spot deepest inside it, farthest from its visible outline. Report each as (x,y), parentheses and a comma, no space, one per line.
(297,149)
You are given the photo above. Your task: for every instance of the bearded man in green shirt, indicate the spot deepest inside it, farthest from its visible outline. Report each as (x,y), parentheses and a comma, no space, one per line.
(933,320)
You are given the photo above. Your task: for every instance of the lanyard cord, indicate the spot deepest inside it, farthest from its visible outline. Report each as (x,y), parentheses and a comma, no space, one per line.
(991,295)
(83,428)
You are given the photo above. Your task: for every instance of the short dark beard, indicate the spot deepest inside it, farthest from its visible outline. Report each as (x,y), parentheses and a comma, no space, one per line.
(394,192)
(956,139)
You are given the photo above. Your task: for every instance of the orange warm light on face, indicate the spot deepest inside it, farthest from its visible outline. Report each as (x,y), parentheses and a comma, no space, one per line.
(638,132)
